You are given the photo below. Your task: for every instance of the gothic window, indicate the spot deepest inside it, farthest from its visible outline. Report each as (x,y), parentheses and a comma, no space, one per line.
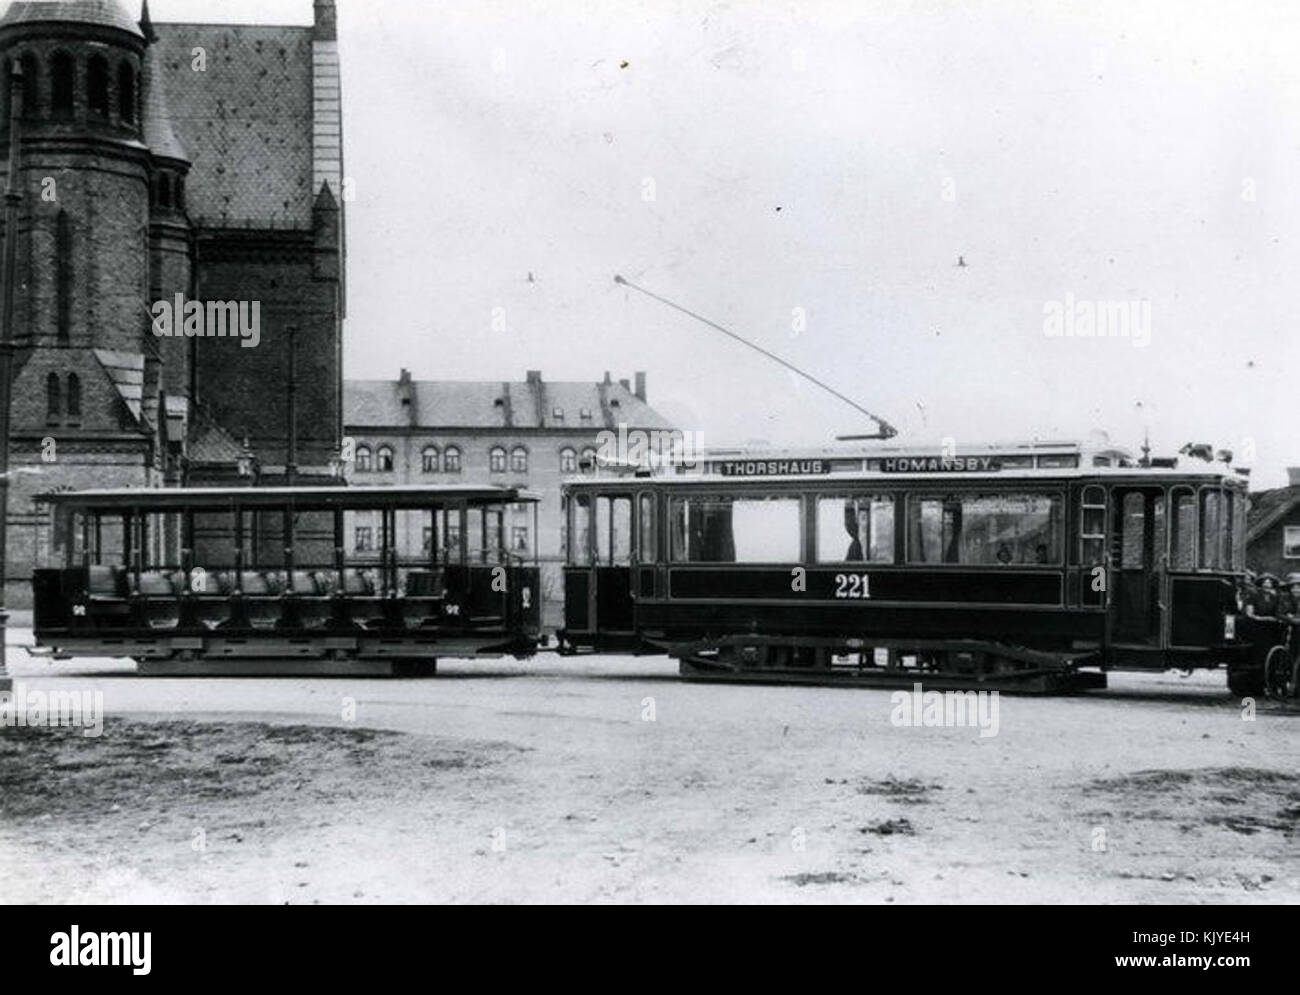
(53,402)
(63,272)
(97,85)
(451,460)
(179,191)
(164,190)
(31,85)
(74,396)
(62,74)
(126,92)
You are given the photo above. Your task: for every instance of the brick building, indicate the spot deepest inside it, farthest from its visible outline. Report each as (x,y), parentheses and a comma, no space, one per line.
(1273,529)
(156,160)
(530,434)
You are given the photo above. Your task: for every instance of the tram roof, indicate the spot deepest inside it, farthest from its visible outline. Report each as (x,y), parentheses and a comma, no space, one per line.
(837,476)
(404,495)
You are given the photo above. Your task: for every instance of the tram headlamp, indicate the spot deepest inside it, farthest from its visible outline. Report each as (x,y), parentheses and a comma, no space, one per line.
(1229,627)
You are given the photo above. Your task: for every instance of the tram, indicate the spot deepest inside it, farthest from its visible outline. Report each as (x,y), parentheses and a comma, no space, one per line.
(370,580)
(1031,568)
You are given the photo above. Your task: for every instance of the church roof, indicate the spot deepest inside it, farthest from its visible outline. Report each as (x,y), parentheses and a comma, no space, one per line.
(126,371)
(105,13)
(156,119)
(245,121)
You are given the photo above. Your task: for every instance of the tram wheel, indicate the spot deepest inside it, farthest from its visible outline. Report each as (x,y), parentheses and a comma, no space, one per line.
(1247,682)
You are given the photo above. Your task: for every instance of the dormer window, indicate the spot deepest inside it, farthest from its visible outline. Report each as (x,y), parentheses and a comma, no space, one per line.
(557,413)
(585,414)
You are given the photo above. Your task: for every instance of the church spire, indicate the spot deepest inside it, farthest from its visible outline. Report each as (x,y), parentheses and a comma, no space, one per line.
(146,24)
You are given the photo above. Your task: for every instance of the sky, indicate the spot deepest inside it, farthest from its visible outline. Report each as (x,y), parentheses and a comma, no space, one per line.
(896,197)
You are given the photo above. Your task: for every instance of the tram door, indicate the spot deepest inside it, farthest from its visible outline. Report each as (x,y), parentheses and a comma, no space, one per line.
(1137,556)
(598,588)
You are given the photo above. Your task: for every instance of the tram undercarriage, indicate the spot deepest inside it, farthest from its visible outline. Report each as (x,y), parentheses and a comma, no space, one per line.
(938,664)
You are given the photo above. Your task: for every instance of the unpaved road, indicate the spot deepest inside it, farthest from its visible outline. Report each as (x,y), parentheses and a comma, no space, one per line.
(607,780)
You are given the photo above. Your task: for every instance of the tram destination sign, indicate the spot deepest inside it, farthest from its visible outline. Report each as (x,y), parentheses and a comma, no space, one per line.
(940,464)
(772,467)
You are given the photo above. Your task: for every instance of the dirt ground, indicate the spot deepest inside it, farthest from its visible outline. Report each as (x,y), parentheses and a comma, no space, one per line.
(608,780)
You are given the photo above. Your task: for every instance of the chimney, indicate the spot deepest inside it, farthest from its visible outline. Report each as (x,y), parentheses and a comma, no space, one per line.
(607,380)
(325,27)
(534,376)
(405,378)
(640,385)
(625,385)
(1293,475)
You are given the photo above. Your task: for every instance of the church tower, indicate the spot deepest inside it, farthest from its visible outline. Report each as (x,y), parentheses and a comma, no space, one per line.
(86,379)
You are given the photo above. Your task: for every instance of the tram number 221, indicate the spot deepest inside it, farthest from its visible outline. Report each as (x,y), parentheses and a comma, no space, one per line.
(852,586)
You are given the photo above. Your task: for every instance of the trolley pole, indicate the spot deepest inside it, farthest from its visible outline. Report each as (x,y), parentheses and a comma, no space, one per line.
(13,198)
(291,462)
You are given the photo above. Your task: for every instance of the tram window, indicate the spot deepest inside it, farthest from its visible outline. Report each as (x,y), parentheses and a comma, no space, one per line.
(1092,527)
(485,532)
(736,530)
(519,544)
(613,530)
(214,539)
(1211,526)
(985,529)
(649,531)
(410,524)
(1182,546)
(855,529)
(1229,520)
(580,530)
(1058,462)
(1239,533)
(1133,532)
(364,531)
(449,533)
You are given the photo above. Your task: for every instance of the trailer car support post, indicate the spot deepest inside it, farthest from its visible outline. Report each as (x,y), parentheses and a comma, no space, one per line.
(8,270)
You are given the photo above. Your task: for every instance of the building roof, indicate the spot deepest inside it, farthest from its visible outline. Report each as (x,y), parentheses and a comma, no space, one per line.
(126,371)
(1268,507)
(463,404)
(105,13)
(245,121)
(156,119)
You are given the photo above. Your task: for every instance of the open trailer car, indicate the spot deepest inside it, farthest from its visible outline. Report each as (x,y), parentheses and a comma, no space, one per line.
(285,580)
(1031,571)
